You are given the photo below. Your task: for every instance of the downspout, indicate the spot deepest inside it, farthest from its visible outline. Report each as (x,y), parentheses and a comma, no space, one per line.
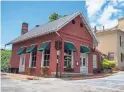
(60,53)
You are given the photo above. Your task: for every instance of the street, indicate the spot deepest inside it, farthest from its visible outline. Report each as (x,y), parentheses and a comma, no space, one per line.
(114,83)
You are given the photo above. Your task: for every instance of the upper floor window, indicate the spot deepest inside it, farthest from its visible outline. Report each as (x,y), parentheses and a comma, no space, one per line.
(122,57)
(120,41)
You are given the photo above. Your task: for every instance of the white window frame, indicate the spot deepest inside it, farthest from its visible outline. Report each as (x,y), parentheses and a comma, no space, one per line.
(30,60)
(72,57)
(42,60)
(94,61)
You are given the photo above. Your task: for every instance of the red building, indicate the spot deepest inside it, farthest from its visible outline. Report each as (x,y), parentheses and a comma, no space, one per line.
(34,51)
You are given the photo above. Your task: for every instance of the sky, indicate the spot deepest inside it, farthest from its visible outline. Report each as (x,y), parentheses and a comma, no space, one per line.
(98,12)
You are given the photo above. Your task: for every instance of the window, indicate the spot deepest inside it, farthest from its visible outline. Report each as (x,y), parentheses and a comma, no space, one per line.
(120,41)
(122,57)
(33,58)
(111,55)
(94,61)
(84,61)
(68,59)
(73,21)
(81,25)
(46,57)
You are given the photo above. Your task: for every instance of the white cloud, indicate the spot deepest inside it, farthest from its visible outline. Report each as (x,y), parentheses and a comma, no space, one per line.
(93,6)
(105,20)
(104,17)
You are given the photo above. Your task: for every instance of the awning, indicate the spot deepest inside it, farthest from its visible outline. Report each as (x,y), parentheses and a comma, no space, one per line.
(69,46)
(31,49)
(21,51)
(44,46)
(84,49)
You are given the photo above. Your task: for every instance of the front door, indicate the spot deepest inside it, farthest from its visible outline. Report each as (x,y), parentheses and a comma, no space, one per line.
(84,63)
(22,63)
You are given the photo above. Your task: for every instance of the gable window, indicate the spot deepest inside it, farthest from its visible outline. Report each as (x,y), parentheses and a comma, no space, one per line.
(73,21)
(81,25)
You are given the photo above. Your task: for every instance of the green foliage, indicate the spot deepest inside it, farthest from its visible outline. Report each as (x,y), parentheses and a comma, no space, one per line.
(108,63)
(5,58)
(55,16)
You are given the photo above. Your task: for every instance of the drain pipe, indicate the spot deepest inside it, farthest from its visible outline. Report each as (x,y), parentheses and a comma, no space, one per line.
(59,55)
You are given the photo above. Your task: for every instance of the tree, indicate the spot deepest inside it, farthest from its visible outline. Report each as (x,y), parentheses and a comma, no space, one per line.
(55,16)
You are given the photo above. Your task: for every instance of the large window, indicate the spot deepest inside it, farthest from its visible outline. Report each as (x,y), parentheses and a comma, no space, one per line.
(46,57)
(68,59)
(33,58)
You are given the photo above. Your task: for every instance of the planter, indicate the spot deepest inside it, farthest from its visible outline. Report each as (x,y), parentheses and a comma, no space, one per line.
(45,71)
(109,70)
(68,69)
(95,70)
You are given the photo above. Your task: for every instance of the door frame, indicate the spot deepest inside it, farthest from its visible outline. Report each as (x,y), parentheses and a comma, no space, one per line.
(82,55)
(20,64)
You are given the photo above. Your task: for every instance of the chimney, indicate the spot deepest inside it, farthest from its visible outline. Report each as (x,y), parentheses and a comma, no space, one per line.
(95,30)
(37,25)
(103,28)
(24,28)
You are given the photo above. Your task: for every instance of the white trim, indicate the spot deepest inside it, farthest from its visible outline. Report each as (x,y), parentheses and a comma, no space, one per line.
(72,64)
(33,44)
(94,61)
(30,59)
(20,64)
(42,60)
(85,45)
(23,46)
(69,41)
(46,41)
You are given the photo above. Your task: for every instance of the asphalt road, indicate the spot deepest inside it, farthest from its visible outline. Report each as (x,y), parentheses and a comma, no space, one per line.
(113,83)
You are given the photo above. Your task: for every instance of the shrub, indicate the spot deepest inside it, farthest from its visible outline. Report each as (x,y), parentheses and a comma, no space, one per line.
(5,58)
(108,64)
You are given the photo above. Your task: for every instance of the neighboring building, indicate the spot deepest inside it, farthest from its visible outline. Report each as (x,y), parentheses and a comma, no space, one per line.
(111,43)
(35,49)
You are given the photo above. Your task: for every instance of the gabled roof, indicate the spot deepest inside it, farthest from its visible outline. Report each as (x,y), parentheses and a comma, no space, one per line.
(53,27)
(119,27)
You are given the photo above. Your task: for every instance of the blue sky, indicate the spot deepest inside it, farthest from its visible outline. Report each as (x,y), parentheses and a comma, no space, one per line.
(14,13)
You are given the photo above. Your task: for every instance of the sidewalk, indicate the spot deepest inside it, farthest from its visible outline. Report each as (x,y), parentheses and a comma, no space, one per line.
(29,77)
(21,76)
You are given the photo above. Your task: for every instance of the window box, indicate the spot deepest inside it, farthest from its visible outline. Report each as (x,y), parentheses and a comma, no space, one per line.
(68,69)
